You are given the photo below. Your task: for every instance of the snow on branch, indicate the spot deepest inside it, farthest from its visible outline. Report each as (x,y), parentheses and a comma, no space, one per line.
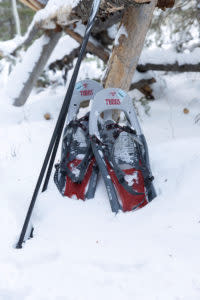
(8,48)
(169,67)
(21,72)
(24,75)
(169,56)
(55,12)
(63,12)
(169,60)
(157,59)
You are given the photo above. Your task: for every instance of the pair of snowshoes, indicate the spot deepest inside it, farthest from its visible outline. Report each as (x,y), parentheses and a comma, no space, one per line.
(94,141)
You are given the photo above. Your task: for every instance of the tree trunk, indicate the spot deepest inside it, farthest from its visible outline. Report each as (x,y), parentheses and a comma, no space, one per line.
(126,52)
(29,79)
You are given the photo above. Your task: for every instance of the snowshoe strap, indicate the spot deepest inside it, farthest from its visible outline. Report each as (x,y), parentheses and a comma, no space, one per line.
(148,178)
(116,130)
(73,149)
(100,147)
(110,133)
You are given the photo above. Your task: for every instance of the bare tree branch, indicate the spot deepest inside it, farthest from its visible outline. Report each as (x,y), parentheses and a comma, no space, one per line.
(169,67)
(97,50)
(66,62)
(143,86)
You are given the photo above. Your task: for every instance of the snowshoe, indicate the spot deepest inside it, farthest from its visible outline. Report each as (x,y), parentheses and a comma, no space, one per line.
(121,151)
(76,174)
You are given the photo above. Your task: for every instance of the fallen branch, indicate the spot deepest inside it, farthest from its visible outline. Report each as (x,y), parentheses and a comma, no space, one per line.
(143,86)
(97,50)
(165,4)
(100,52)
(169,67)
(65,63)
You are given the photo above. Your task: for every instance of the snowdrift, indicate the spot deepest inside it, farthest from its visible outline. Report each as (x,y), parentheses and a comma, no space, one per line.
(80,249)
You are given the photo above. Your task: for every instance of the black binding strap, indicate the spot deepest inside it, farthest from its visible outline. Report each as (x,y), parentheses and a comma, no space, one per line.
(71,148)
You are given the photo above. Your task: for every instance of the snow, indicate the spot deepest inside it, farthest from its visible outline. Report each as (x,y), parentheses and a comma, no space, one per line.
(146,75)
(64,47)
(10,45)
(169,56)
(21,71)
(80,249)
(54,9)
(132,178)
(112,31)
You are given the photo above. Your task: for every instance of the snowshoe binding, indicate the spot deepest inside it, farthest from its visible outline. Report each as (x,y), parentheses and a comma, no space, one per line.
(121,151)
(76,174)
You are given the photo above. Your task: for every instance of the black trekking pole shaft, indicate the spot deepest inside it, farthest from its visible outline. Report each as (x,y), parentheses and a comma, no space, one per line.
(51,163)
(59,125)
(49,170)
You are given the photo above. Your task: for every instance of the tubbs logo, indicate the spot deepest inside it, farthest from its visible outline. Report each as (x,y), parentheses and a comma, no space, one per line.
(113,94)
(113,102)
(86,92)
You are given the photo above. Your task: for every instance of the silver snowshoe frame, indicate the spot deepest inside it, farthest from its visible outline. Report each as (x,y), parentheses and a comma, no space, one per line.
(84,90)
(105,102)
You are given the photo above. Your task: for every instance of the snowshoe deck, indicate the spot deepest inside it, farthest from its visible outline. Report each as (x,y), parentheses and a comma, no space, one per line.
(76,174)
(121,151)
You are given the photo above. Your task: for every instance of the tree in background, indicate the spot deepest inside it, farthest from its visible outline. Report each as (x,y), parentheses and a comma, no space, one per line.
(16,17)
(178,27)
(7,22)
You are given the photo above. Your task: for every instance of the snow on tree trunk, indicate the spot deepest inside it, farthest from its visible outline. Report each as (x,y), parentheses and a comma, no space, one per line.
(16,17)
(128,45)
(25,74)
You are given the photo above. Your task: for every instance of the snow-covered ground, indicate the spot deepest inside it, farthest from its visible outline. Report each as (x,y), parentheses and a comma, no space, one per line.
(81,251)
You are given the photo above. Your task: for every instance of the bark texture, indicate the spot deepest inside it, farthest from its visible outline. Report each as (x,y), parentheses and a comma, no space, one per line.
(33,4)
(165,3)
(126,53)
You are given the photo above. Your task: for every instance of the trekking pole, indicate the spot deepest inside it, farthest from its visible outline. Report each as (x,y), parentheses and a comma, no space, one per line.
(53,146)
